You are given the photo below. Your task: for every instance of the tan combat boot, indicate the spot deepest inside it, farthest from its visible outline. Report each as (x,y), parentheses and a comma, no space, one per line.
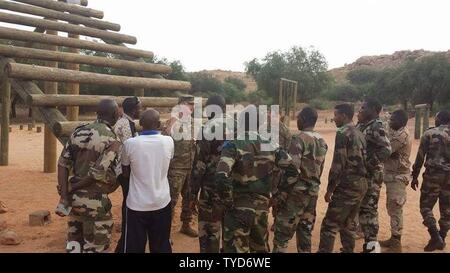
(186,229)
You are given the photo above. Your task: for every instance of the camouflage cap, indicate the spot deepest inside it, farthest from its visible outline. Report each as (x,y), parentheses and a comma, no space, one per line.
(185,99)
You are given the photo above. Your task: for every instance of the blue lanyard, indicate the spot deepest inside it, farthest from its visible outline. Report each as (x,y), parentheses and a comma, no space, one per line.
(150,133)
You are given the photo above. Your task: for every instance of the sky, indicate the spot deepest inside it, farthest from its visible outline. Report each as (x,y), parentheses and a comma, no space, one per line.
(224,34)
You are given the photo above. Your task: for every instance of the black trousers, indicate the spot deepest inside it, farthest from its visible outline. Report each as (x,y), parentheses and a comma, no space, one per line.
(125,184)
(154,225)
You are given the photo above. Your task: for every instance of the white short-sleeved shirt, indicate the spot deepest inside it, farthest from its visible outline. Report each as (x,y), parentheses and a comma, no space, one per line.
(149,158)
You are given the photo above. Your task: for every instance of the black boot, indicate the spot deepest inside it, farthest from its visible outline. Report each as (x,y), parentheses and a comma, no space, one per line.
(436,242)
(394,243)
(443,234)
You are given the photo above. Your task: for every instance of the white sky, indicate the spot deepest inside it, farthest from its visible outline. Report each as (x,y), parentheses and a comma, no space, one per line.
(223,34)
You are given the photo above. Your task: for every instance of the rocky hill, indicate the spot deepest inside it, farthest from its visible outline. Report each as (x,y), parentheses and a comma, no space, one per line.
(381,62)
(221,75)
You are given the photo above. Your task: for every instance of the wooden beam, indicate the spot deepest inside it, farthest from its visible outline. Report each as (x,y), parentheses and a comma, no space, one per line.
(65,27)
(28,36)
(48,13)
(83,3)
(93,100)
(40,54)
(33,72)
(61,6)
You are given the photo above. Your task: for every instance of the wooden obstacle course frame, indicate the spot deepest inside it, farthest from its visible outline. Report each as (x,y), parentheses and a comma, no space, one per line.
(76,20)
(287,91)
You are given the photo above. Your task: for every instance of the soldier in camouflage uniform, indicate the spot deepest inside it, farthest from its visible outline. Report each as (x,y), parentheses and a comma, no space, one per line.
(181,165)
(397,176)
(308,150)
(435,151)
(378,151)
(347,183)
(210,213)
(244,181)
(91,155)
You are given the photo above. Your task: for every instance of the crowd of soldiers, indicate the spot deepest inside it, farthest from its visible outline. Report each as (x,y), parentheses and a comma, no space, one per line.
(232,183)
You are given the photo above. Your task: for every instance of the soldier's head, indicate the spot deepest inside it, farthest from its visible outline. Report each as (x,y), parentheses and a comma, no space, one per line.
(307,118)
(132,107)
(108,110)
(343,114)
(398,120)
(212,105)
(248,119)
(150,120)
(442,118)
(370,109)
(187,100)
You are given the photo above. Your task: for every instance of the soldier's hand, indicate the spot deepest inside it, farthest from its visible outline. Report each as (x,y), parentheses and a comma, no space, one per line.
(328,196)
(415,184)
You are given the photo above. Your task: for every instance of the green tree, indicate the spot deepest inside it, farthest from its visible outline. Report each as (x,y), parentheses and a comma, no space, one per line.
(306,66)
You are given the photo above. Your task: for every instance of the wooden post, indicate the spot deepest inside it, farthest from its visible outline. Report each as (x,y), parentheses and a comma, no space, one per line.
(49,138)
(6,104)
(417,131)
(426,119)
(73,88)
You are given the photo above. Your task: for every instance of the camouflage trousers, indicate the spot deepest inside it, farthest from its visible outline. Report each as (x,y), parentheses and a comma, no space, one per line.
(297,216)
(246,226)
(210,218)
(90,223)
(395,200)
(341,214)
(368,213)
(179,184)
(436,186)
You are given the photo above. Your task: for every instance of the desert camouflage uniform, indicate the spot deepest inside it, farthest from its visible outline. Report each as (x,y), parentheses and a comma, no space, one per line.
(308,150)
(435,151)
(210,213)
(244,181)
(378,151)
(397,177)
(92,150)
(348,183)
(180,169)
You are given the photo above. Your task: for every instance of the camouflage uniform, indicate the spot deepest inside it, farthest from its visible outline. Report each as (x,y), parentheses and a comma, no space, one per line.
(210,213)
(308,150)
(244,181)
(397,176)
(435,148)
(179,174)
(348,183)
(92,150)
(378,151)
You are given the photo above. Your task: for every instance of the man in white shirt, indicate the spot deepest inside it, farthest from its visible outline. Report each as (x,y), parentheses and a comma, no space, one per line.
(146,160)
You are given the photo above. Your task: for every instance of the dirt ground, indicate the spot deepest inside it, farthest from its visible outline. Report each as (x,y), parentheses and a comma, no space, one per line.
(24,189)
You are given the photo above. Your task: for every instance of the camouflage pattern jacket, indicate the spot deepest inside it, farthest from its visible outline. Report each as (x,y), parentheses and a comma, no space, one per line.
(244,168)
(398,163)
(208,154)
(308,150)
(184,149)
(435,148)
(350,159)
(378,147)
(93,150)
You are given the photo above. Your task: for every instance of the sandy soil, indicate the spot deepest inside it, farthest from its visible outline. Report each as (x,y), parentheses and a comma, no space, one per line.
(24,189)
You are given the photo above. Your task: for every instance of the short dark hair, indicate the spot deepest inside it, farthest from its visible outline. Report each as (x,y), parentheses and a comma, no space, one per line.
(444,116)
(309,116)
(216,100)
(401,116)
(374,104)
(345,109)
(130,104)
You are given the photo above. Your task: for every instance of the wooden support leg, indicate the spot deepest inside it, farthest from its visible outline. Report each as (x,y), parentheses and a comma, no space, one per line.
(6,104)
